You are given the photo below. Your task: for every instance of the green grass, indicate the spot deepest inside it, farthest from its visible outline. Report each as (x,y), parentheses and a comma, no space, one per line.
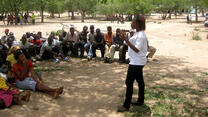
(170,101)
(196,29)
(196,36)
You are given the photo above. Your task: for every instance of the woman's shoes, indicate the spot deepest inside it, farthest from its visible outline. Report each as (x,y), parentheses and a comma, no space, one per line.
(122,109)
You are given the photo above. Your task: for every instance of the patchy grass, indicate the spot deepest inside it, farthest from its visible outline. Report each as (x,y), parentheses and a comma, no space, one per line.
(196,29)
(48,69)
(195,36)
(171,100)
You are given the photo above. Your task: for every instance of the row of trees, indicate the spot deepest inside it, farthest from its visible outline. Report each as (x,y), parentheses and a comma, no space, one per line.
(105,7)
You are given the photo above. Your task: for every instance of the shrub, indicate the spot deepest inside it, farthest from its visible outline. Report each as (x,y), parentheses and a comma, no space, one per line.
(196,36)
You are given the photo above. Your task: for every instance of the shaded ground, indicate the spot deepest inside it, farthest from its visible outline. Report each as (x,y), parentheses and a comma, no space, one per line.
(95,89)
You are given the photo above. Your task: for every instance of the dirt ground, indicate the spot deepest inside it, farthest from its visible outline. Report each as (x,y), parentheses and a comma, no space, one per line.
(94,89)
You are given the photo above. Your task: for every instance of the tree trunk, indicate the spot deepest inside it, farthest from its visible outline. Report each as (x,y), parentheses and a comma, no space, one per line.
(175,13)
(42,16)
(196,14)
(169,15)
(203,12)
(68,13)
(16,17)
(52,15)
(28,13)
(59,15)
(82,16)
(72,17)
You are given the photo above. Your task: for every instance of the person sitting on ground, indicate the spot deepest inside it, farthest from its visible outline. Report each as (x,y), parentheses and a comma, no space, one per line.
(90,39)
(27,47)
(61,37)
(11,94)
(69,42)
(37,43)
(83,39)
(109,41)
(51,49)
(117,45)
(26,79)
(3,53)
(98,42)
(53,35)
(5,37)
(41,38)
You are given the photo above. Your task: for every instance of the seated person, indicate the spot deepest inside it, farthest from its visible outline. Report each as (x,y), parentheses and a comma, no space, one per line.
(90,39)
(5,37)
(69,42)
(98,42)
(51,49)
(9,94)
(61,37)
(122,56)
(27,47)
(117,44)
(3,53)
(26,79)
(83,40)
(109,41)
(37,42)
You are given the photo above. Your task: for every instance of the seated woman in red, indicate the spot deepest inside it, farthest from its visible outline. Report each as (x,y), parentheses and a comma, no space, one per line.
(26,78)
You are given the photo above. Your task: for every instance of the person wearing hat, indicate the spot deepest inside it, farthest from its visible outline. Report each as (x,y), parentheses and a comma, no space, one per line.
(5,37)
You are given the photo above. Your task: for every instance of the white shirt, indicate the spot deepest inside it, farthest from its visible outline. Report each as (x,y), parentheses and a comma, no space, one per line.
(26,46)
(90,37)
(49,47)
(139,40)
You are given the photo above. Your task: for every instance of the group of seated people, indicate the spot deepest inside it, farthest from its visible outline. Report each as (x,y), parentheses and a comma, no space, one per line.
(18,56)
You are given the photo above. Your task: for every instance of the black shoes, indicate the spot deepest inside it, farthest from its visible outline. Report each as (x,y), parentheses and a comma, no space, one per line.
(137,103)
(122,109)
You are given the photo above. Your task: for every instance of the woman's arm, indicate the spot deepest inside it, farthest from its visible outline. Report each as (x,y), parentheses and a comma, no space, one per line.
(34,76)
(125,37)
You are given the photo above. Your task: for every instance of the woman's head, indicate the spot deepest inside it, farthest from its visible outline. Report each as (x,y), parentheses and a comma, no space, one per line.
(138,23)
(19,56)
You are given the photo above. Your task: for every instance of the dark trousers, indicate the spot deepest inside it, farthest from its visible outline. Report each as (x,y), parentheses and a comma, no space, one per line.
(48,55)
(122,53)
(76,48)
(134,72)
(68,47)
(101,47)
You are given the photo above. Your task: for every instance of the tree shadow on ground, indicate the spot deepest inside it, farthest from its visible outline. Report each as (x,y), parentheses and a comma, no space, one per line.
(95,89)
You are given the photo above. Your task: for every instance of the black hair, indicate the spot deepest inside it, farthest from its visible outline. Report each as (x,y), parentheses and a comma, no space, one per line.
(140,20)
(17,54)
(109,27)
(91,26)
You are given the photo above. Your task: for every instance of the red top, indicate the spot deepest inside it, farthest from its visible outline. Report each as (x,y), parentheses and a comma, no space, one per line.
(20,69)
(38,42)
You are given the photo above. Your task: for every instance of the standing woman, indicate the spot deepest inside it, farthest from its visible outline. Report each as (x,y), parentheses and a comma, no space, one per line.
(137,50)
